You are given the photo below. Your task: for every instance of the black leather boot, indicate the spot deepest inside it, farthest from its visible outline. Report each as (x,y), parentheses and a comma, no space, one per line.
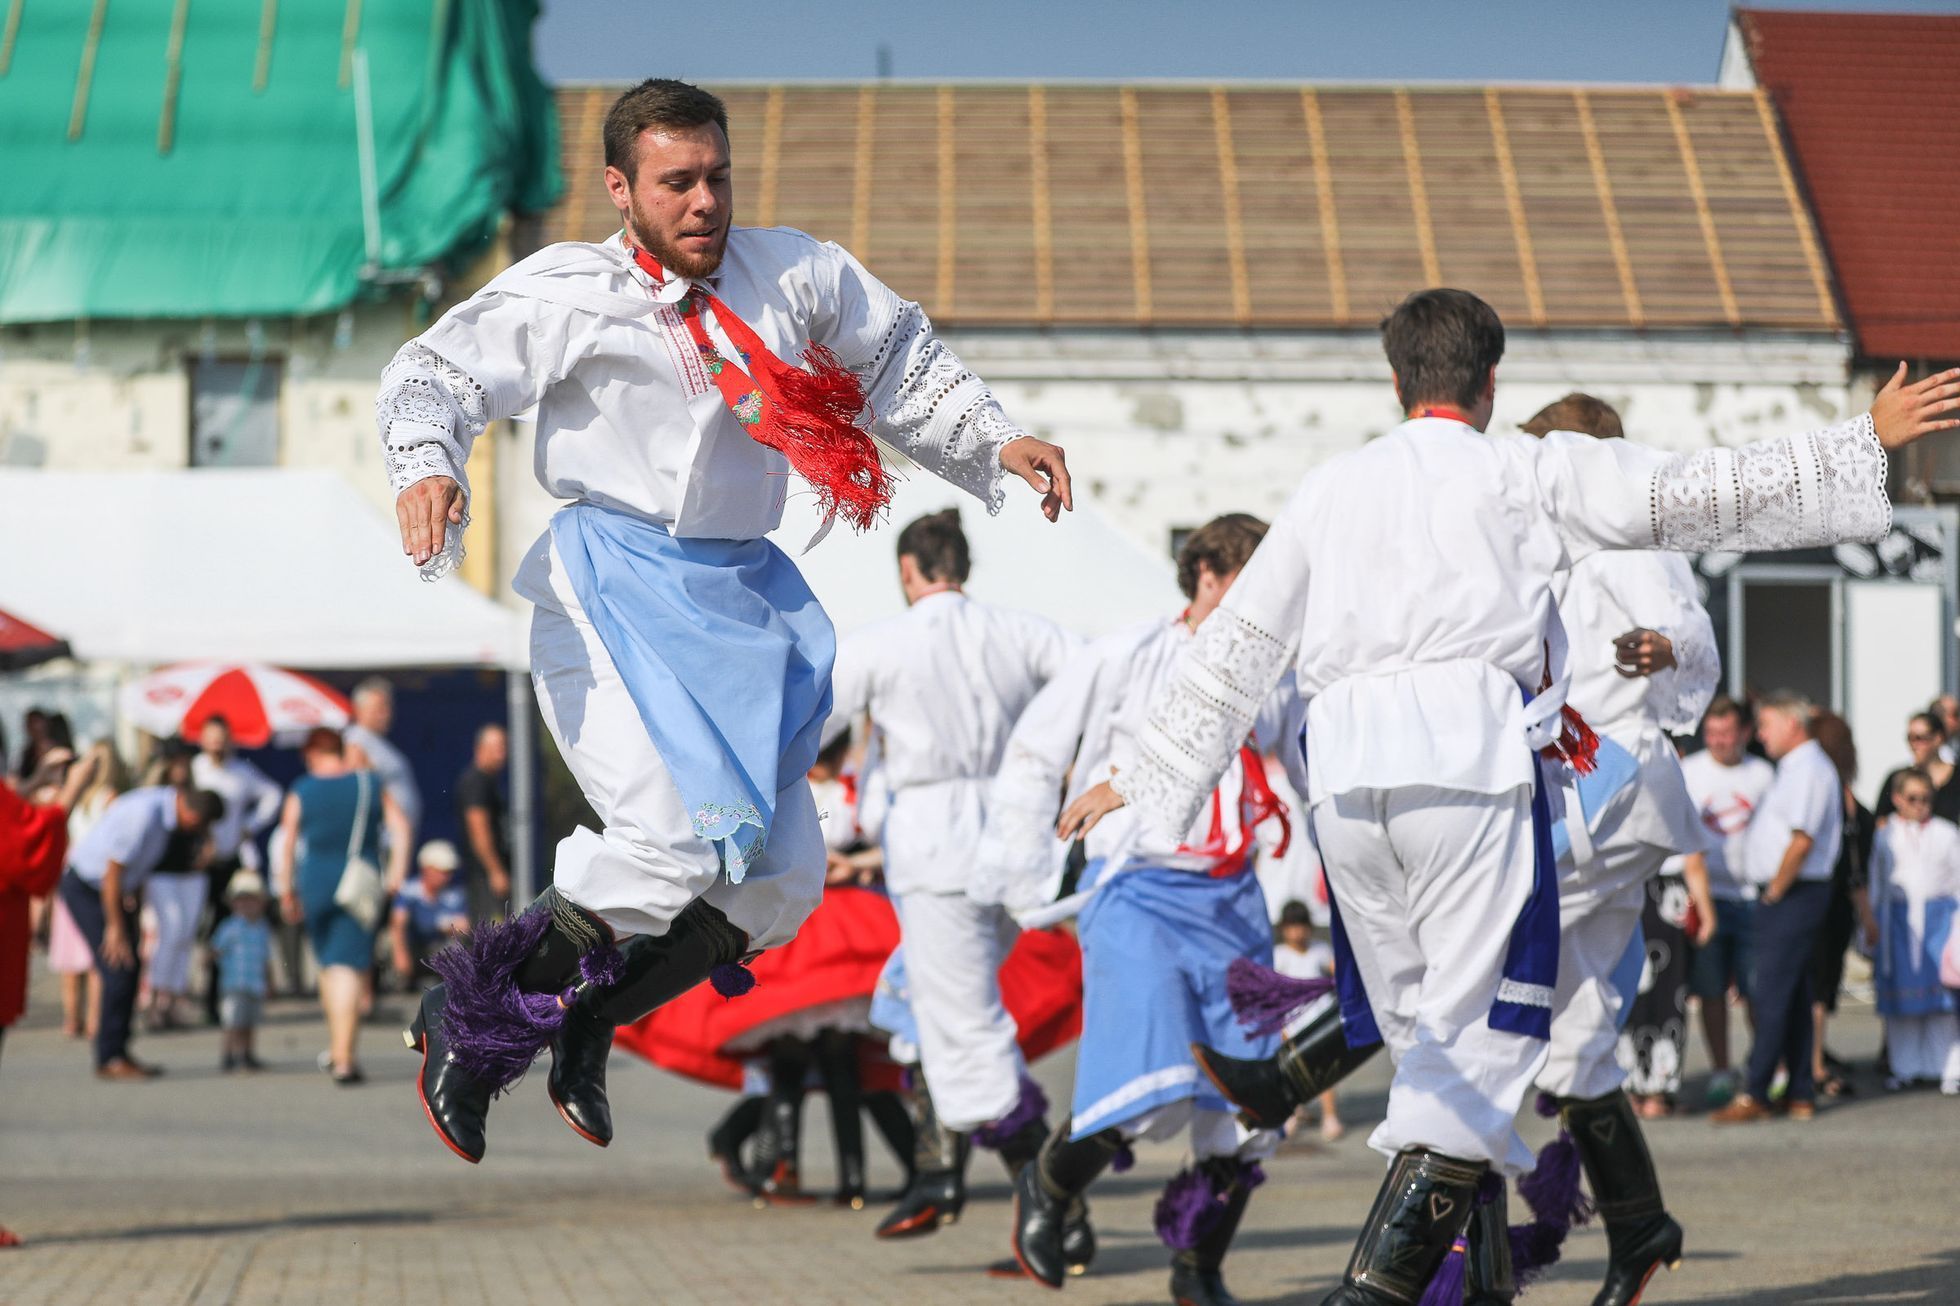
(896,1127)
(837,1062)
(653,971)
(1305,1066)
(1048,1192)
(726,1139)
(1422,1207)
(1488,1280)
(480,1029)
(937,1193)
(1197,1277)
(1640,1235)
(779,1148)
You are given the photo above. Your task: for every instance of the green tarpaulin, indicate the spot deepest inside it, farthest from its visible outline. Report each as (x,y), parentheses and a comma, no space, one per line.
(193,158)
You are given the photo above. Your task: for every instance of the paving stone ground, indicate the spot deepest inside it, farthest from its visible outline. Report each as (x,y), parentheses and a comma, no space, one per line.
(281,1188)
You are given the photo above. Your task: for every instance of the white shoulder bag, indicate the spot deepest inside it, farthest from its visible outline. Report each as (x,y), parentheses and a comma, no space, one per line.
(361,892)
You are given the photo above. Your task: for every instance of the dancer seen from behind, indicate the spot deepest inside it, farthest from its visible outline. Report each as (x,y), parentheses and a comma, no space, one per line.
(944,683)
(680,370)
(1430,709)
(1161,920)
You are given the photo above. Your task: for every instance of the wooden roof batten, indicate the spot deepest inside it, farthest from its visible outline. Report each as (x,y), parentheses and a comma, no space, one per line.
(1629,208)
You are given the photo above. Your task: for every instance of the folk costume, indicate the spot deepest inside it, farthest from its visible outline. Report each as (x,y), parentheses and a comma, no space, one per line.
(681,664)
(1428,710)
(1915,895)
(944,683)
(1162,917)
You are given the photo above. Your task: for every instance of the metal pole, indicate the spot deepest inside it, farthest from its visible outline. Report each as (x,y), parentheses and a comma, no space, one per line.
(523,788)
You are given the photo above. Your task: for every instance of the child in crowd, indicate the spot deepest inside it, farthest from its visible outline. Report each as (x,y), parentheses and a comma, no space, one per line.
(243,943)
(1915,893)
(1298,955)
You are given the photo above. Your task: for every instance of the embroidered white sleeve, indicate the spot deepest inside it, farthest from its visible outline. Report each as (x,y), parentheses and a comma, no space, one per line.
(1679,695)
(1197,724)
(428,413)
(1795,492)
(928,406)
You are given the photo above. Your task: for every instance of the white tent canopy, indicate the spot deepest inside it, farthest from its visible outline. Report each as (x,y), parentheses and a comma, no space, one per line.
(1081,572)
(285,566)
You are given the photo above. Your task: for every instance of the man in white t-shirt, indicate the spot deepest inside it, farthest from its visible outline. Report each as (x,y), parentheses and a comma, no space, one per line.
(1788,854)
(1727,784)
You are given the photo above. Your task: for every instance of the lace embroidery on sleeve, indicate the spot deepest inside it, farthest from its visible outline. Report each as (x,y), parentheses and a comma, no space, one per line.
(428,412)
(926,403)
(1796,492)
(1682,693)
(1199,721)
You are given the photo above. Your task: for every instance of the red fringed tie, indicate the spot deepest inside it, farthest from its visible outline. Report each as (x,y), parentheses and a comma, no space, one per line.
(808,414)
(1578,743)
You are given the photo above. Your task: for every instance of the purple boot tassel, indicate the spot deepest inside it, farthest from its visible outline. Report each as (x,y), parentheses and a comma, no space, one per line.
(1264,1000)
(1032,1107)
(1194,1202)
(731,979)
(1558,1204)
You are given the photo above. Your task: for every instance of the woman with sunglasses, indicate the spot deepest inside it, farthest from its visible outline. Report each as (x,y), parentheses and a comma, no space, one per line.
(1926,736)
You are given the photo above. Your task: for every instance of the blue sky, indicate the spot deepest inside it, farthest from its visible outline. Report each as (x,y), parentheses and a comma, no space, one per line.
(1416,40)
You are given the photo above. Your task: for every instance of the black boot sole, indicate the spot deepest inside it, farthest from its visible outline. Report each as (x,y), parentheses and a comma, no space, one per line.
(1667,1256)
(551,1091)
(1021,1260)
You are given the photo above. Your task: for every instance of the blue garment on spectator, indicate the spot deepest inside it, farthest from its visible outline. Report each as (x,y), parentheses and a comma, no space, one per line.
(326,827)
(426,915)
(244,948)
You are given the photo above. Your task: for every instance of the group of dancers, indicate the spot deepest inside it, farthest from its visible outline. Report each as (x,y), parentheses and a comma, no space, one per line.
(1453,641)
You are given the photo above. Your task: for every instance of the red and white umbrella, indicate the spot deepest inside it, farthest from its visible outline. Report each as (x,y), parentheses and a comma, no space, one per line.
(258,702)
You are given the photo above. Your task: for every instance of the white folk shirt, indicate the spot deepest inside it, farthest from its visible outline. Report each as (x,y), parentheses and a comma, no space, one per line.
(1914,862)
(1080,731)
(1806,796)
(629,418)
(944,682)
(1726,799)
(252,803)
(1605,595)
(1409,582)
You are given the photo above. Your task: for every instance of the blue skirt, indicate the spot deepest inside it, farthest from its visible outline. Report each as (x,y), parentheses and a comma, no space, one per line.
(1155,945)
(1908,977)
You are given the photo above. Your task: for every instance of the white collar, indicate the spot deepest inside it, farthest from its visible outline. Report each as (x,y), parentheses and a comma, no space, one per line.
(671,291)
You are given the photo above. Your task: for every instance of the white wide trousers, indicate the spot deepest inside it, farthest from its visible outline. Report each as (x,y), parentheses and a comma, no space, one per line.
(1429,883)
(954,948)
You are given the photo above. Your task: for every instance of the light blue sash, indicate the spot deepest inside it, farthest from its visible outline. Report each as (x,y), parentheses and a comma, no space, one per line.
(726,654)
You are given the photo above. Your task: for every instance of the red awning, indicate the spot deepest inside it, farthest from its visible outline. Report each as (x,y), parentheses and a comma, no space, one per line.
(25,645)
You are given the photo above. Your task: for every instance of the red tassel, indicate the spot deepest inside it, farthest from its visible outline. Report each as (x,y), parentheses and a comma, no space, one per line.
(1578,743)
(810,417)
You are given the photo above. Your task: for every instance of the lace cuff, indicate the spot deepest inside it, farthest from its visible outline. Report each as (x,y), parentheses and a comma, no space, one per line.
(429,412)
(1796,492)
(1199,721)
(1679,695)
(926,404)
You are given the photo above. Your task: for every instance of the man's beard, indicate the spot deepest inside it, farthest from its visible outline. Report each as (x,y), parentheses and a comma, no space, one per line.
(680,263)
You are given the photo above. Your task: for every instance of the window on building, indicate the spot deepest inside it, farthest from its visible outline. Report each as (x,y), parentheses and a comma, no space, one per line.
(1179,534)
(235,412)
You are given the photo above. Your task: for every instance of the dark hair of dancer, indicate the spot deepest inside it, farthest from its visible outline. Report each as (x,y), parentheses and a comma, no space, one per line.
(936,542)
(1442,345)
(1576,412)
(657,102)
(1223,544)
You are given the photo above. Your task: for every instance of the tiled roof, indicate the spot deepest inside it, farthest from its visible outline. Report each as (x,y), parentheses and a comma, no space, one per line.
(1264,206)
(1871,103)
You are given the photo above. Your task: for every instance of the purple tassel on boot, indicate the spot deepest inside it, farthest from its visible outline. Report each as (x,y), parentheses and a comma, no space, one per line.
(1446,1285)
(1558,1204)
(1193,1203)
(493,1030)
(1264,1000)
(731,979)
(1032,1107)
(1123,1161)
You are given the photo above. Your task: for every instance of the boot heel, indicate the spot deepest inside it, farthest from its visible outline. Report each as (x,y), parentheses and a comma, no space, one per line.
(412,1036)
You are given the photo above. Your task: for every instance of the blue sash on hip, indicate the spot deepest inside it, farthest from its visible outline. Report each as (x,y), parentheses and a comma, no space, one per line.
(1524,994)
(727,656)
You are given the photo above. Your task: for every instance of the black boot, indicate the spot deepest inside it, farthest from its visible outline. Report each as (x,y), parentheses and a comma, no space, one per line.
(726,1139)
(779,1150)
(1048,1193)
(1197,1272)
(1422,1207)
(896,1128)
(475,1035)
(653,971)
(1488,1280)
(1640,1235)
(1306,1065)
(937,1193)
(837,1062)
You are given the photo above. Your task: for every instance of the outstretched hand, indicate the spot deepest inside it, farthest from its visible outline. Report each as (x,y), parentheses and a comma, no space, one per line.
(426,510)
(1903,413)
(1081,816)
(1045,467)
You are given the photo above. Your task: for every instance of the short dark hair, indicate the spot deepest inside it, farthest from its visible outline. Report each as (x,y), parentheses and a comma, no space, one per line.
(1722,705)
(1223,544)
(657,102)
(938,544)
(217,719)
(1295,912)
(1576,412)
(1931,720)
(209,807)
(1442,344)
